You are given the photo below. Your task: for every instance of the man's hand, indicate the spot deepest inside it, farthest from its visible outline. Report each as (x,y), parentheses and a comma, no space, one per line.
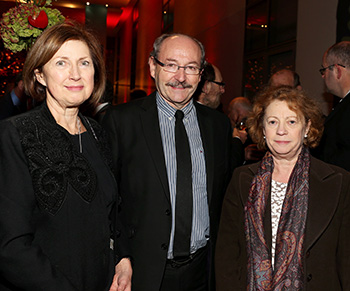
(122,276)
(241,134)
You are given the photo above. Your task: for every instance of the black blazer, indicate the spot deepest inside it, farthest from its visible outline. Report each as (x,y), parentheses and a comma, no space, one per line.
(55,217)
(334,147)
(143,184)
(327,234)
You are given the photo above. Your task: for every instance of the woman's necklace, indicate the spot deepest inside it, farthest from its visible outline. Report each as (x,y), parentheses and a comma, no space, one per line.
(79,133)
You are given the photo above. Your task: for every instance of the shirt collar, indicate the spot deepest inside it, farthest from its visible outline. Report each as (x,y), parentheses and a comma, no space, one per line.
(169,111)
(345,95)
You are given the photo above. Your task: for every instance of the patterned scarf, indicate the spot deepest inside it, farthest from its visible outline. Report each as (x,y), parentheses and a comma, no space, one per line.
(288,273)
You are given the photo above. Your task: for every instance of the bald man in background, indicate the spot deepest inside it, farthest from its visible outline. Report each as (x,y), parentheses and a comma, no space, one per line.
(285,77)
(238,110)
(211,87)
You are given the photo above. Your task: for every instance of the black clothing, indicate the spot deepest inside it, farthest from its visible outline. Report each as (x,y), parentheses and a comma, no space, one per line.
(57,213)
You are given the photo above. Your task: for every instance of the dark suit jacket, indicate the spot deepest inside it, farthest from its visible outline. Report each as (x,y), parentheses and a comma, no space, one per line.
(334,147)
(327,235)
(143,184)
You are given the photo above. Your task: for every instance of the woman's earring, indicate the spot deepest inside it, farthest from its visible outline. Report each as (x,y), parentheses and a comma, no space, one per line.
(305,135)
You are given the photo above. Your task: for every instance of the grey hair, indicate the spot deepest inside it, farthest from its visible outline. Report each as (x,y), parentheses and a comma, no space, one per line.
(339,53)
(158,42)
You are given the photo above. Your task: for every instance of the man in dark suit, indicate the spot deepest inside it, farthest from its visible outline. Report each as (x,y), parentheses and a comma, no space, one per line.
(14,102)
(334,147)
(144,152)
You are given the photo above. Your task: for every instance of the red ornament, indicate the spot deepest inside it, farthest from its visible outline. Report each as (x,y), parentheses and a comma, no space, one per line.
(40,21)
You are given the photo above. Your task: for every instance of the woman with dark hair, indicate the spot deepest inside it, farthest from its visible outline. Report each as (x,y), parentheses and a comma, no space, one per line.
(285,220)
(58,196)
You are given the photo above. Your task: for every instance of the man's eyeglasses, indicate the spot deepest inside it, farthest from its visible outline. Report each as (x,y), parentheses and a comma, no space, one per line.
(222,84)
(323,70)
(173,68)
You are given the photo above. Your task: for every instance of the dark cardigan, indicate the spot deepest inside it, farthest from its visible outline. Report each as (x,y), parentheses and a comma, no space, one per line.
(56,223)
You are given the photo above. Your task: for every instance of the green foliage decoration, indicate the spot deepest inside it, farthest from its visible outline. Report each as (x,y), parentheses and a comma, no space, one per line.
(15,29)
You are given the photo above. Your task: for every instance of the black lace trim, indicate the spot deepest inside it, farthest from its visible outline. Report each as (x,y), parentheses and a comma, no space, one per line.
(53,160)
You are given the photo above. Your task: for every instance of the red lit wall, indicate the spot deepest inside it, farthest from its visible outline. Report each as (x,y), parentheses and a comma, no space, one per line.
(149,27)
(150,22)
(124,59)
(219,25)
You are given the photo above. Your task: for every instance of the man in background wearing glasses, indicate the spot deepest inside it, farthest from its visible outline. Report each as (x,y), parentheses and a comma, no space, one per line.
(144,136)
(211,87)
(334,147)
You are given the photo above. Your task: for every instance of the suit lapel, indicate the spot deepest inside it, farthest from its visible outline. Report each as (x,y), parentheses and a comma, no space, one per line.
(207,141)
(245,181)
(324,196)
(151,130)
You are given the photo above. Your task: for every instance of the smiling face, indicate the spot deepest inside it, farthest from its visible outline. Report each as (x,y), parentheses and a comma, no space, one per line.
(68,76)
(176,88)
(284,130)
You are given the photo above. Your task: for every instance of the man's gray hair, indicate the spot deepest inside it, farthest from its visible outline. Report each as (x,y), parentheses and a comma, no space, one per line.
(158,42)
(339,53)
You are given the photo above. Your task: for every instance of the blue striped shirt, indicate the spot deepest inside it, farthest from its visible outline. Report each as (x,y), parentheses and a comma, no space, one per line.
(200,213)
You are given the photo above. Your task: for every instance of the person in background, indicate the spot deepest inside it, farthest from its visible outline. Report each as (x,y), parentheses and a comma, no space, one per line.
(137,93)
(285,220)
(171,193)
(334,147)
(211,87)
(238,111)
(285,77)
(14,102)
(208,93)
(58,195)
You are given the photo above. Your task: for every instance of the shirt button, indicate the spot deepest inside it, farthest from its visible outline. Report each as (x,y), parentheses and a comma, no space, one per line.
(309,277)
(164,246)
(167,212)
